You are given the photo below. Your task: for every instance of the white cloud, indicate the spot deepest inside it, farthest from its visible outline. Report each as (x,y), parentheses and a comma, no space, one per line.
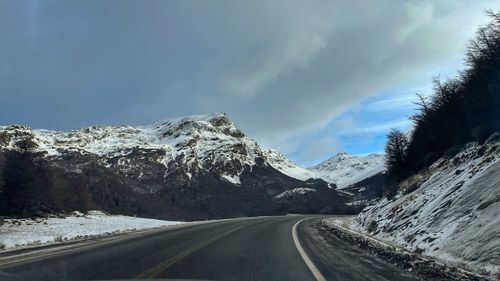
(415,15)
(296,36)
(317,149)
(363,129)
(405,101)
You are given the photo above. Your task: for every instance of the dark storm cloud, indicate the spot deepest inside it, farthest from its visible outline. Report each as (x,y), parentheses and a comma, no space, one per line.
(279,68)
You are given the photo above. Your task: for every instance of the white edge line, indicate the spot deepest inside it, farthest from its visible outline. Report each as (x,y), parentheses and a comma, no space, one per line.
(314,270)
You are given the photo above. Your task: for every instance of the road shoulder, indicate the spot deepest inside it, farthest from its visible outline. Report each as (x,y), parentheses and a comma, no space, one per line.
(423,267)
(338,260)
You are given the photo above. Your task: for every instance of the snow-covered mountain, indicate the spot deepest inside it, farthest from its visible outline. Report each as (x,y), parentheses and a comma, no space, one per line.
(211,142)
(199,166)
(286,166)
(344,169)
(449,211)
(359,178)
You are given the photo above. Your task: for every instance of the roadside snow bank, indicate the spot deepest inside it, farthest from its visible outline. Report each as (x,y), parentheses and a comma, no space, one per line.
(423,267)
(33,232)
(453,215)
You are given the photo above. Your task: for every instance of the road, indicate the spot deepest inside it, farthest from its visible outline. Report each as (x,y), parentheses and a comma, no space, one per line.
(241,249)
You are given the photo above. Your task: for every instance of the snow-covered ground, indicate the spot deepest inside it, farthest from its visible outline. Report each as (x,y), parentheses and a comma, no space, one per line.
(16,233)
(453,215)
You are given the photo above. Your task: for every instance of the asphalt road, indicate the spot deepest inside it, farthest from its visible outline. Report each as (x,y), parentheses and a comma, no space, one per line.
(241,249)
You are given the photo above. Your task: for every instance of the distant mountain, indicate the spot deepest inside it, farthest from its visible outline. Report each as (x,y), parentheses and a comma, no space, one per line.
(191,167)
(359,179)
(344,169)
(286,166)
(341,170)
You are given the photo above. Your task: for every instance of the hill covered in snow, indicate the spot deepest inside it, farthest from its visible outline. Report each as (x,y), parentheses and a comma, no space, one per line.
(449,211)
(342,169)
(191,167)
(360,179)
(286,166)
(211,142)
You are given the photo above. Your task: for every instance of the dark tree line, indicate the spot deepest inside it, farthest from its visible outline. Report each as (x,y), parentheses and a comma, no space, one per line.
(30,188)
(461,110)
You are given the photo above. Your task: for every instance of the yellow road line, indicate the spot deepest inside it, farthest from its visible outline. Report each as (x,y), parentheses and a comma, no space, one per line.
(156,270)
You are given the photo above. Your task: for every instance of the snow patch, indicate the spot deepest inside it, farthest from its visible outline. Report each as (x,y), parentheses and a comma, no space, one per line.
(292,192)
(232,179)
(34,232)
(286,166)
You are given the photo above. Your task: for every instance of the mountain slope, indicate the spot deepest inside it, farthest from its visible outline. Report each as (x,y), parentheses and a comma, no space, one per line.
(449,211)
(344,169)
(341,170)
(360,179)
(192,167)
(196,142)
(286,166)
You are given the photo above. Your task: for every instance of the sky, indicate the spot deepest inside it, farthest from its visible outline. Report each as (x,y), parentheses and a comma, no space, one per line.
(309,78)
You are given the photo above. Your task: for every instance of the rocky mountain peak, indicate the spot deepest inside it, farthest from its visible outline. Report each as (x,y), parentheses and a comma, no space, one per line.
(207,143)
(345,169)
(203,165)
(197,124)
(341,156)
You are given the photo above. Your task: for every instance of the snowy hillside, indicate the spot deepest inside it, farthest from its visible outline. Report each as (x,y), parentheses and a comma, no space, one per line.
(344,169)
(449,212)
(286,166)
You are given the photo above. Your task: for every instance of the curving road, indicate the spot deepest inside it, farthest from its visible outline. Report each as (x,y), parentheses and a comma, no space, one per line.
(238,249)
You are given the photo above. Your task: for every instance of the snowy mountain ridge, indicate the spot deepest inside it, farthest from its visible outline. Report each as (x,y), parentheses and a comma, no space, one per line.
(184,168)
(281,163)
(195,141)
(342,169)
